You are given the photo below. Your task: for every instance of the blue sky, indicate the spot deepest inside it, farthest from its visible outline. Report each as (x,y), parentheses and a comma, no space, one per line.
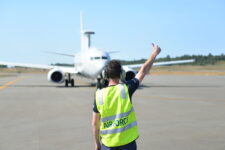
(180,27)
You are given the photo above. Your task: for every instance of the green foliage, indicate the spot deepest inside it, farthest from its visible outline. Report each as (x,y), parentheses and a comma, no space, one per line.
(199,59)
(3,66)
(204,60)
(128,62)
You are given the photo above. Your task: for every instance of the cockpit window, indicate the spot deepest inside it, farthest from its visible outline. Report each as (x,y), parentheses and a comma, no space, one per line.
(95,58)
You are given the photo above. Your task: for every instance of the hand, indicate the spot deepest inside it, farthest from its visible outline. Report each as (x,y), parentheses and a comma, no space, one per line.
(156,49)
(97,147)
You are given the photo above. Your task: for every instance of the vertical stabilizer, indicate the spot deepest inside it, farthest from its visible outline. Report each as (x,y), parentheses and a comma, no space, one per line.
(85,35)
(81,31)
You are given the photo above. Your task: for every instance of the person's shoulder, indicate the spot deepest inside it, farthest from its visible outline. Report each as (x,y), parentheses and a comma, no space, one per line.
(133,81)
(132,85)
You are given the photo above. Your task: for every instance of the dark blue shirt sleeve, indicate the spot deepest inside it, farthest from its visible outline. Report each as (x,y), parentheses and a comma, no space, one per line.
(132,86)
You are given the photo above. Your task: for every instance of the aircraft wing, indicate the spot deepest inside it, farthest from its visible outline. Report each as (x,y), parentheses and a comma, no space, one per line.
(165,63)
(47,67)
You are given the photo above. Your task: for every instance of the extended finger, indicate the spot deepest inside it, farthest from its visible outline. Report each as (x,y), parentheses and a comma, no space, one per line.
(153,45)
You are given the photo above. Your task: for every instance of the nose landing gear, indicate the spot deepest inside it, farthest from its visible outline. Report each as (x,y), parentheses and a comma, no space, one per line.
(69,81)
(101,83)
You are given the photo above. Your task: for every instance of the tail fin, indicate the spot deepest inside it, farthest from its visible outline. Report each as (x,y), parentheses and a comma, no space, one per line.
(81,32)
(85,35)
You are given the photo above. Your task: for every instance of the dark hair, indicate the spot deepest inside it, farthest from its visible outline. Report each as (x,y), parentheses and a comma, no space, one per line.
(113,69)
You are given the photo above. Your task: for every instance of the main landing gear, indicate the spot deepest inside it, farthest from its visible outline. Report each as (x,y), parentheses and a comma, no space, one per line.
(68,81)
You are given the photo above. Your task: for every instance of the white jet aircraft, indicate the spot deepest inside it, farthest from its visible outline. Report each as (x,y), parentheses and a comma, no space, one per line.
(89,63)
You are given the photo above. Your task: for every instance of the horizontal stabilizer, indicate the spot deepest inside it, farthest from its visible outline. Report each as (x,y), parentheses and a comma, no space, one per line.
(70,55)
(111,52)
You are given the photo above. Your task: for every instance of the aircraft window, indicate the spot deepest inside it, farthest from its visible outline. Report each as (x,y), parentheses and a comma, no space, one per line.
(104,57)
(95,58)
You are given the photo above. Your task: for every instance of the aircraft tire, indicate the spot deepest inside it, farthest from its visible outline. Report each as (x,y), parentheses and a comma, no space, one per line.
(72,82)
(102,84)
(98,84)
(66,83)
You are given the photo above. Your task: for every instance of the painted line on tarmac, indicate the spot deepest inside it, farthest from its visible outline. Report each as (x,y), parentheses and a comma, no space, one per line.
(9,83)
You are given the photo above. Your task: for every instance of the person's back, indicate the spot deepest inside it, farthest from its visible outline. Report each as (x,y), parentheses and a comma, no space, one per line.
(117,116)
(114,120)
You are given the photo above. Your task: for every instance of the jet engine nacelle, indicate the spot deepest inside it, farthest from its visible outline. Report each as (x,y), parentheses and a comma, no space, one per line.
(128,74)
(56,76)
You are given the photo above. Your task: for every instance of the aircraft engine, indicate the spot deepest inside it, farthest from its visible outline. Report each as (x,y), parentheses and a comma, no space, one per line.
(128,74)
(56,76)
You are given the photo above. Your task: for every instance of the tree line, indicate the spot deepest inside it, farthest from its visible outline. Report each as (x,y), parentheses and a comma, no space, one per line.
(199,60)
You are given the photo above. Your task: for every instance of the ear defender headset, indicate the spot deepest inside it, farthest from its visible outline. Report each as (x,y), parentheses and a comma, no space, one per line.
(122,74)
(106,75)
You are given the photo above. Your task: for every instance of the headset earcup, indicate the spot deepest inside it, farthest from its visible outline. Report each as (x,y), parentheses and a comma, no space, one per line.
(122,75)
(104,73)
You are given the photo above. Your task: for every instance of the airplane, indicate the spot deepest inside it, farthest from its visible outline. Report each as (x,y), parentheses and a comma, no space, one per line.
(89,62)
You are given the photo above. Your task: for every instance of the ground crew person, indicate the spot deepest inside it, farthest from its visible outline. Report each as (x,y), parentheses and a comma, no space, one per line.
(114,122)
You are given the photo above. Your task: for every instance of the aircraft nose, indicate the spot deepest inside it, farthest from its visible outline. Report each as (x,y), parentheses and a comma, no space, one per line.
(101,65)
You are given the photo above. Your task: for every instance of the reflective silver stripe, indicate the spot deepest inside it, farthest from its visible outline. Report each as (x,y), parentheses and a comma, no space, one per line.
(118,130)
(117,116)
(100,97)
(123,92)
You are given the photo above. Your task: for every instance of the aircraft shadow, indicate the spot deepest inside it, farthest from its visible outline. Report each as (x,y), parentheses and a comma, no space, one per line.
(76,86)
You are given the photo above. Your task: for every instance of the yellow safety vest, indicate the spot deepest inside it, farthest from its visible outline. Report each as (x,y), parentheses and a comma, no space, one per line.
(118,125)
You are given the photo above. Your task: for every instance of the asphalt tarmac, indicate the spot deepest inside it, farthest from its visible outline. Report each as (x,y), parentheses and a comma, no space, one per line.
(180,112)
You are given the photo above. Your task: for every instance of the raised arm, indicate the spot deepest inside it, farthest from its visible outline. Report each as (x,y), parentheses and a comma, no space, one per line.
(148,64)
